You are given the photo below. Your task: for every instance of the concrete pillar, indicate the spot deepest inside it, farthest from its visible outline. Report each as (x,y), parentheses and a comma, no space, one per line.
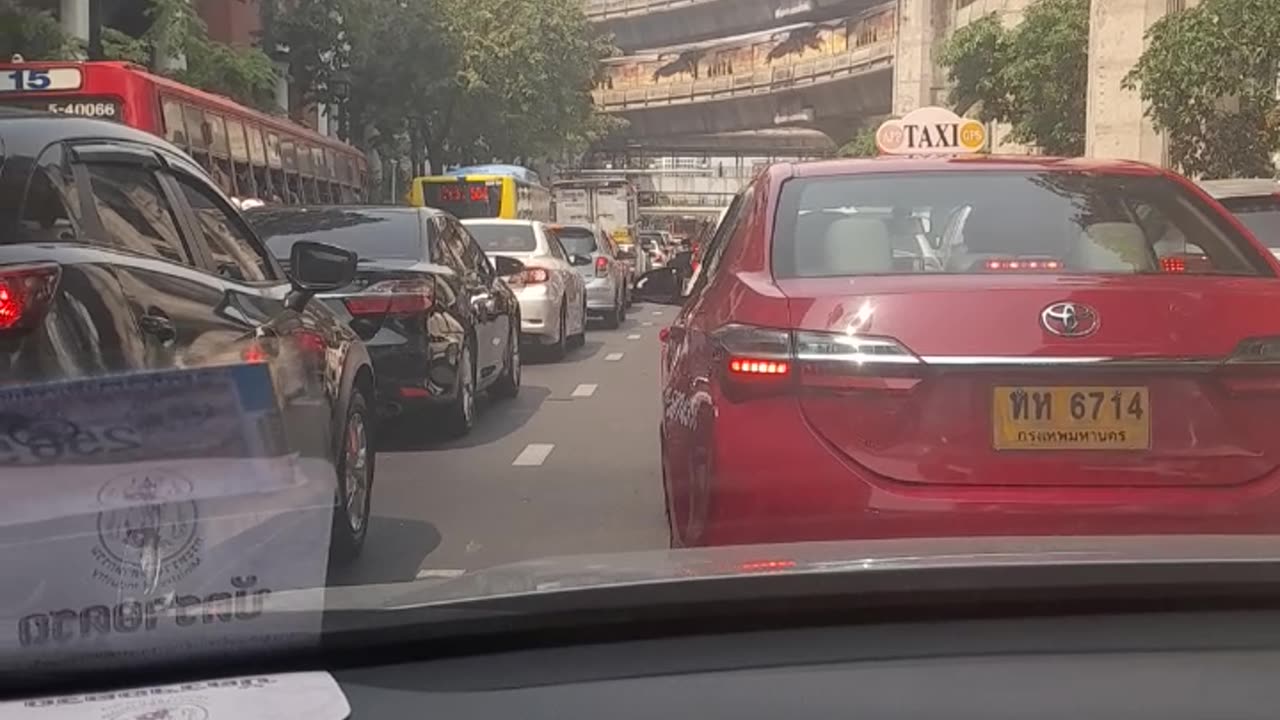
(74,16)
(917,81)
(282,85)
(1115,126)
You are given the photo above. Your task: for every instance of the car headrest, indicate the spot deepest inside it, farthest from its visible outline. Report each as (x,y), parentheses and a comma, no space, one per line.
(1113,247)
(857,246)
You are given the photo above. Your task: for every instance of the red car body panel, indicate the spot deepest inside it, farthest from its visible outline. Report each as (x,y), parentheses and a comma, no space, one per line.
(911,453)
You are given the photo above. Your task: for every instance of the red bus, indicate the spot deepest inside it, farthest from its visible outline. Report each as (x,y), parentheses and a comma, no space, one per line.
(248,153)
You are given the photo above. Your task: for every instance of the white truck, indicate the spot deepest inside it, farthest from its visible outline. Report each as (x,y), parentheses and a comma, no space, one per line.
(609,203)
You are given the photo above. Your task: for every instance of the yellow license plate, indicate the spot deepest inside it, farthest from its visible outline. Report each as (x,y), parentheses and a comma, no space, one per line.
(1070,418)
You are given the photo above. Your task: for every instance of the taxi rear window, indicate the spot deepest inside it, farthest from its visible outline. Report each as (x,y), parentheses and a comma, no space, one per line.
(1002,222)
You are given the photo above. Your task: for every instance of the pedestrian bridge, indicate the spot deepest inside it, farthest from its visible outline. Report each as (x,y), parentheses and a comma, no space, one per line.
(833,75)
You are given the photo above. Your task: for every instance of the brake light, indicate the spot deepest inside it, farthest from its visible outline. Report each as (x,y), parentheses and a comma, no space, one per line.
(749,366)
(756,566)
(392,297)
(1020,265)
(602,266)
(25,294)
(1173,264)
(755,359)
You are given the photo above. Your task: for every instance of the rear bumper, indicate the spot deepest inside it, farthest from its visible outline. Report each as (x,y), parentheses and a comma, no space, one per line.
(602,295)
(539,313)
(772,480)
(406,381)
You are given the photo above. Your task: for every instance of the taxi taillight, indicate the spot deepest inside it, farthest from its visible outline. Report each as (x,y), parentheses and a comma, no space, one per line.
(757,360)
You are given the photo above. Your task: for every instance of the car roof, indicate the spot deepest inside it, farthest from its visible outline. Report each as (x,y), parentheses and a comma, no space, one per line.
(969,163)
(497,221)
(27,132)
(1240,187)
(285,209)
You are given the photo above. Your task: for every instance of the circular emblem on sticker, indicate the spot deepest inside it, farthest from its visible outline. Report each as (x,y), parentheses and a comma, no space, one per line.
(148,537)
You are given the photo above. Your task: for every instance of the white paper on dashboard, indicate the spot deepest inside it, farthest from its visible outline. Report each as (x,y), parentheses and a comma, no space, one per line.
(305,696)
(151,516)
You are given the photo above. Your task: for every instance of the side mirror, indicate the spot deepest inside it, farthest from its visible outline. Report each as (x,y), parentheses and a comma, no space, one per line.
(579,260)
(661,286)
(316,267)
(507,266)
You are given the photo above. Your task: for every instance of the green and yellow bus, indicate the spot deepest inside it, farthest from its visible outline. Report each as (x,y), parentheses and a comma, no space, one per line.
(485,191)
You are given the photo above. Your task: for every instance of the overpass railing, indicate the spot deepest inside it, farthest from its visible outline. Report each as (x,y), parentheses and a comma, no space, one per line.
(772,64)
(598,10)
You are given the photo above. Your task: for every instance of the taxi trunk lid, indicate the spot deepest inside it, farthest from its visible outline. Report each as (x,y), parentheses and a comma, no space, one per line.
(963,384)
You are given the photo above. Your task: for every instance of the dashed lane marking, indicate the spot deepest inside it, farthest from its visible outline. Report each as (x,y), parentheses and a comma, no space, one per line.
(584,391)
(426,573)
(633,337)
(533,455)
(657,313)
(647,324)
(613,357)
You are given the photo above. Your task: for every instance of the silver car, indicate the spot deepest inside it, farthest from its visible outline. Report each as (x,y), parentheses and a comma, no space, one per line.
(1255,202)
(605,275)
(552,293)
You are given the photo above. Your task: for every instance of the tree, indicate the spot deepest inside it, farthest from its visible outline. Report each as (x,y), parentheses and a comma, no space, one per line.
(1208,77)
(1034,76)
(862,145)
(311,35)
(34,34)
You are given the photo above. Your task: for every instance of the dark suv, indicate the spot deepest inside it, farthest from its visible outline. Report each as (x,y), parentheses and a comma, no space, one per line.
(128,286)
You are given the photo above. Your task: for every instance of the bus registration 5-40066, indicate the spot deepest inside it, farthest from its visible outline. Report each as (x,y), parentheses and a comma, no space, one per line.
(1071,418)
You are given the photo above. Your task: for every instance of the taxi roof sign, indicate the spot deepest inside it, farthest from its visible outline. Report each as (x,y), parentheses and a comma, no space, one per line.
(931,131)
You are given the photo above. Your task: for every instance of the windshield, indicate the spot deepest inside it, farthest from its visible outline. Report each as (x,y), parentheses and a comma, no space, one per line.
(372,234)
(503,237)
(577,240)
(485,307)
(1261,215)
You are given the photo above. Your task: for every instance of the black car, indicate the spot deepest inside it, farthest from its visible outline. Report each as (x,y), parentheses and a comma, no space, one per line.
(434,311)
(120,259)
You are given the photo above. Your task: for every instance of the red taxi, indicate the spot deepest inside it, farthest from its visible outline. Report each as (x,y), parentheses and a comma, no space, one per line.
(950,346)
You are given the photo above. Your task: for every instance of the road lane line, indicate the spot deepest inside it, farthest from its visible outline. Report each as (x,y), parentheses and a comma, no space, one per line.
(657,313)
(534,454)
(425,573)
(647,324)
(613,357)
(584,391)
(633,337)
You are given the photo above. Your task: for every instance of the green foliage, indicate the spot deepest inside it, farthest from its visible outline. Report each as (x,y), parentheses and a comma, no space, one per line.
(1034,76)
(313,31)
(117,45)
(1208,77)
(35,34)
(862,145)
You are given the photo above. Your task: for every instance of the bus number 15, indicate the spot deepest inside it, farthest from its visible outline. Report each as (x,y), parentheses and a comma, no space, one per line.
(29,80)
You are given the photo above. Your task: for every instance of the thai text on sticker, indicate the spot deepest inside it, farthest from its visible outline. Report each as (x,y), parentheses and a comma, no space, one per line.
(930,131)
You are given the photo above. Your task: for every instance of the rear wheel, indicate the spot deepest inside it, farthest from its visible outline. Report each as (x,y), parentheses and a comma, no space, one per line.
(561,346)
(461,416)
(580,339)
(355,464)
(613,318)
(508,385)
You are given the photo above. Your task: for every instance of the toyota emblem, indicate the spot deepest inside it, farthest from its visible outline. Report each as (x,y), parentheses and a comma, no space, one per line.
(1068,319)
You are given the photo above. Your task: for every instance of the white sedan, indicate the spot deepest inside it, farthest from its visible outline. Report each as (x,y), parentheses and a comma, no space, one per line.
(552,294)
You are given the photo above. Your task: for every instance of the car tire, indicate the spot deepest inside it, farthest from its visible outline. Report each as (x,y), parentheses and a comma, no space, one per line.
(560,348)
(461,415)
(507,385)
(354,461)
(613,318)
(580,339)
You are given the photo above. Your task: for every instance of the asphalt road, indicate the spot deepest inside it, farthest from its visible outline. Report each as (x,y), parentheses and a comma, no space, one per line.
(568,467)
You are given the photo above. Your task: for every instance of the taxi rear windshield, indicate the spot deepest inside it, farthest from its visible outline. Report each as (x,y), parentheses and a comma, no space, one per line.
(1002,222)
